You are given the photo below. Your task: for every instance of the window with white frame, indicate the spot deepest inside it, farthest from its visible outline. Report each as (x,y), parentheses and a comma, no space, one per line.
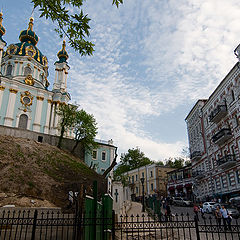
(103,156)
(238,176)
(94,154)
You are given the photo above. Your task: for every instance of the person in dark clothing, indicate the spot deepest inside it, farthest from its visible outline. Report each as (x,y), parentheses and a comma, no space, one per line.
(196,210)
(168,213)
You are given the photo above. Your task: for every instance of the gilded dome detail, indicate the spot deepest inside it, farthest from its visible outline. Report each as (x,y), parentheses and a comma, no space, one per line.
(62,54)
(12,49)
(27,46)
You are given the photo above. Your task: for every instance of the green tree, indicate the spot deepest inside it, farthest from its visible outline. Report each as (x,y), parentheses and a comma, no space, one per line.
(67,113)
(85,128)
(177,162)
(134,158)
(73,24)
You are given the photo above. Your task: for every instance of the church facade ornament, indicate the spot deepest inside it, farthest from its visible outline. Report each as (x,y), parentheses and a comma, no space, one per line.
(29,80)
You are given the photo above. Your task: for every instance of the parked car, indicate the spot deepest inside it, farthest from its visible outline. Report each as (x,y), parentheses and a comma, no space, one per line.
(230,209)
(207,207)
(235,202)
(179,201)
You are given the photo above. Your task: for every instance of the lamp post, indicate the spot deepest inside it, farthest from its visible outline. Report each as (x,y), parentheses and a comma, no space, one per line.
(142,181)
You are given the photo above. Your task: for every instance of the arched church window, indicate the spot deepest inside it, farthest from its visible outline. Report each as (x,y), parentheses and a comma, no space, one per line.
(23,120)
(27,71)
(9,70)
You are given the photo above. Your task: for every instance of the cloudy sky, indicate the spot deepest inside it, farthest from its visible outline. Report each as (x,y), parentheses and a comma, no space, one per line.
(152,61)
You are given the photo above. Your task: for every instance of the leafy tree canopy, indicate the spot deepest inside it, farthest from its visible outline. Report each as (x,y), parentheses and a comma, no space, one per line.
(133,159)
(177,162)
(71,21)
(85,129)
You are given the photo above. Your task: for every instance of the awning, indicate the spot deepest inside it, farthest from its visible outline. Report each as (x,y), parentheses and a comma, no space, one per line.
(179,186)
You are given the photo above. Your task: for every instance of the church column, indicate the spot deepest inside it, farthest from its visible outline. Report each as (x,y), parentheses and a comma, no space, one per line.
(15,68)
(38,114)
(52,117)
(46,127)
(11,104)
(1,95)
(56,119)
(20,68)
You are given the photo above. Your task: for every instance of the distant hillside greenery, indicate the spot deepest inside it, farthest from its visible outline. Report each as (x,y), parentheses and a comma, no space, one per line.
(39,170)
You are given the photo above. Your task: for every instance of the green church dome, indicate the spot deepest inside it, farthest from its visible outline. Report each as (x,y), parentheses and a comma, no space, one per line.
(29,35)
(62,54)
(27,46)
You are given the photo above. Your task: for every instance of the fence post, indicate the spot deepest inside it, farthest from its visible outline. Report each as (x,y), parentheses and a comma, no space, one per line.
(34,224)
(196,226)
(113,225)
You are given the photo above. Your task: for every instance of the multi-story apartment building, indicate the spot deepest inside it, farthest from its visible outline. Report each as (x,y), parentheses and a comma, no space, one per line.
(180,182)
(214,139)
(152,177)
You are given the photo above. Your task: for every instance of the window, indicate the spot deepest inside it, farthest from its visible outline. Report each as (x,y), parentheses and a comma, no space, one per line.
(232,94)
(136,177)
(9,70)
(238,176)
(151,174)
(136,189)
(103,156)
(94,154)
(142,174)
(132,179)
(152,186)
(27,71)
(23,120)
(236,121)
(229,179)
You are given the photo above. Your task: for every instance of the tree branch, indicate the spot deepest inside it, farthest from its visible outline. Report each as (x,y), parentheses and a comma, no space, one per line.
(114,163)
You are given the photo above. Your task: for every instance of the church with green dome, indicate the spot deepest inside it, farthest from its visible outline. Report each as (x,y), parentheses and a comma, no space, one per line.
(25,100)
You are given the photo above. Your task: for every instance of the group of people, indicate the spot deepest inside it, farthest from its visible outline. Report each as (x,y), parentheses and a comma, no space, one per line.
(221,215)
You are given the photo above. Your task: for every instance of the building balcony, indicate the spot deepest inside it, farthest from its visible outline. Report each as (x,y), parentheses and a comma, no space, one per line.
(222,136)
(198,174)
(218,113)
(227,161)
(196,155)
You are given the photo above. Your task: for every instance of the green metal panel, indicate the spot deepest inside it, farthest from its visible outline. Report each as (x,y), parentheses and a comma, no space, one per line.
(89,218)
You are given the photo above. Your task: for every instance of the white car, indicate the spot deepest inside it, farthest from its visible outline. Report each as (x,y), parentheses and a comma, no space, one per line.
(207,207)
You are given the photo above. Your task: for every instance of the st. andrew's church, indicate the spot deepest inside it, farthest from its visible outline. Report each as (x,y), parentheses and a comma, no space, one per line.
(27,106)
(25,101)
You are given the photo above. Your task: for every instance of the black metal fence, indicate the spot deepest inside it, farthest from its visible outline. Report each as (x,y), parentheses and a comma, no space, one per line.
(177,227)
(52,224)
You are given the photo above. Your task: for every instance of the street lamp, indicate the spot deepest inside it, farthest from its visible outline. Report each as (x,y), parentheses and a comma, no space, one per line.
(142,181)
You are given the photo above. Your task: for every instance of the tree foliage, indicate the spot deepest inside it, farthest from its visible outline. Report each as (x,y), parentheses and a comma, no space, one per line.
(177,162)
(84,125)
(133,159)
(67,113)
(85,129)
(71,21)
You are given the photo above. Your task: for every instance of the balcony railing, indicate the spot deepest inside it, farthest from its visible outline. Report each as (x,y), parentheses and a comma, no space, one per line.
(218,113)
(227,161)
(222,136)
(198,174)
(196,155)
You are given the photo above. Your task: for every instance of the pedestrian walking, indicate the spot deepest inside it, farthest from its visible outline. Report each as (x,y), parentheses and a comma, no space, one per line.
(224,216)
(168,213)
(218,216)
(229,221)
(201,210)
(196,210)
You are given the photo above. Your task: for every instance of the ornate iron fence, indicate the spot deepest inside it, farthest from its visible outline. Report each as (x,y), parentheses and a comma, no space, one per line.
(52,224)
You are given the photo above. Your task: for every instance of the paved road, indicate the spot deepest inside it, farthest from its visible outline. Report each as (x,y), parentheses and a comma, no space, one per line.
(184,210)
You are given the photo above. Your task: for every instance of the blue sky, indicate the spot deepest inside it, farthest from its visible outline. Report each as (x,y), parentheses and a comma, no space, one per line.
(152,61)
